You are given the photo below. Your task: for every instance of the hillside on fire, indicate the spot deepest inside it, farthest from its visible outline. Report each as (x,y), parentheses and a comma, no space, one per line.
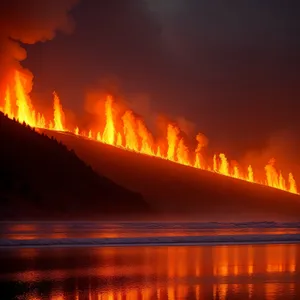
(41,178)
(178,191)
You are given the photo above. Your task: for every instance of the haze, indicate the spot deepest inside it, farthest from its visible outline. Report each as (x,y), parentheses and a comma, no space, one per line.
(230,70)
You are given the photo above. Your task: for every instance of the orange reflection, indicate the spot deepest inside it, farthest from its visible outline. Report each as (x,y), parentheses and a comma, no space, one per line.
(200,272)
(220,291)
(280,258)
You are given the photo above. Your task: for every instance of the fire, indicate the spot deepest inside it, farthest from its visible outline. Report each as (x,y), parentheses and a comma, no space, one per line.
(98,137)
(250,174)
(293,187)
(182,153)
(129,132)
(172,138)
(146,138)
(25,111)
(58,114)
(17,104)
(7,107)
(224,166)
(236,172)
(109,133)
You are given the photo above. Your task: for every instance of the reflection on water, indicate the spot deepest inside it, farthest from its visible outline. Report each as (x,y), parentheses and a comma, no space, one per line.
(36,230)
(200,272)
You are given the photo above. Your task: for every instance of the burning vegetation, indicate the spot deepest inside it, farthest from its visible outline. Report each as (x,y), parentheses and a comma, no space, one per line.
(128,131)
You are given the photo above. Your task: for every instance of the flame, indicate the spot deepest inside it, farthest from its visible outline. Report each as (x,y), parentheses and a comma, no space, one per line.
(119,140)
(172,138)
(58,114)
(236,173)
(98,137)
(109,133)
(146,138)
(25,111)
(182,153)
(197,163)
(215,163)
(293,187)
(131,133)
(250,174)
(7,107)
(41,122)
(224,166)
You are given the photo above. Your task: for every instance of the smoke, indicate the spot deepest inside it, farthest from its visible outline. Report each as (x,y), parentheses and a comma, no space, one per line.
(281,148)
(28,22)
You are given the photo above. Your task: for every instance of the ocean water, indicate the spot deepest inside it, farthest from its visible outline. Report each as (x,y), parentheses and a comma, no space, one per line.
(107,261)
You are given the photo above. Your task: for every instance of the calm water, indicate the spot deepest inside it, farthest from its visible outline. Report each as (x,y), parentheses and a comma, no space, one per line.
(252,271)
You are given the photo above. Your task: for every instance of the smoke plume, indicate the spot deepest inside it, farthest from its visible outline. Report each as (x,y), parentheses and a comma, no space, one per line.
(28,22)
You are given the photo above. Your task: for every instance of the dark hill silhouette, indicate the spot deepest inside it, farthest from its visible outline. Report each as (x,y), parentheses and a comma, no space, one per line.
(41,178)
(181,191)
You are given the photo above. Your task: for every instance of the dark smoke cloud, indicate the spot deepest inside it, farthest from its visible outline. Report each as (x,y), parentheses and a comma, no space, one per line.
(29,22)
(230,67)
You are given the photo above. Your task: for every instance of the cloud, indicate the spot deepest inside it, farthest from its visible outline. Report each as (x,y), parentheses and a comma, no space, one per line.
(29,22)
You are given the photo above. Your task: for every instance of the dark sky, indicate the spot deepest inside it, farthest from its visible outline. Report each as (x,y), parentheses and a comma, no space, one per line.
(230,67)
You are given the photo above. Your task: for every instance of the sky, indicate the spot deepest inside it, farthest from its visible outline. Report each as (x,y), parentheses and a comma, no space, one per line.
(229,68)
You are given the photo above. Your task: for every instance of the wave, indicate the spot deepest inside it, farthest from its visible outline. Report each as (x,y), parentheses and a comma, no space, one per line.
(141,241)
(82,226)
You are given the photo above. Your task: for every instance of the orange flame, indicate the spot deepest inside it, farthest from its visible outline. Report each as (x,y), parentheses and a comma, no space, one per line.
(224,166)
(136,137)
(172,138)
(7,106)
(131,138)
(236,173)
(250,174)
(59,115)
(182,153)
(293,187)
(25,111)
(98,137)
(109,133)
(119,140)
(146,137)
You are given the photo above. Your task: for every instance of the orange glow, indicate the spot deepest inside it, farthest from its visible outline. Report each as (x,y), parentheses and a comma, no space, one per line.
(131,138)
(224,166)
(146,138)
(98,137)
(59,115)
(119,140)
(197,163)
(215,166)
(41,122)
(250,174)
(175,271)
(183,153)
(172,138)
(131,133)
(236,172)
(90,136)
(293,187)
(7,106)
(109,133)
(25,111)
